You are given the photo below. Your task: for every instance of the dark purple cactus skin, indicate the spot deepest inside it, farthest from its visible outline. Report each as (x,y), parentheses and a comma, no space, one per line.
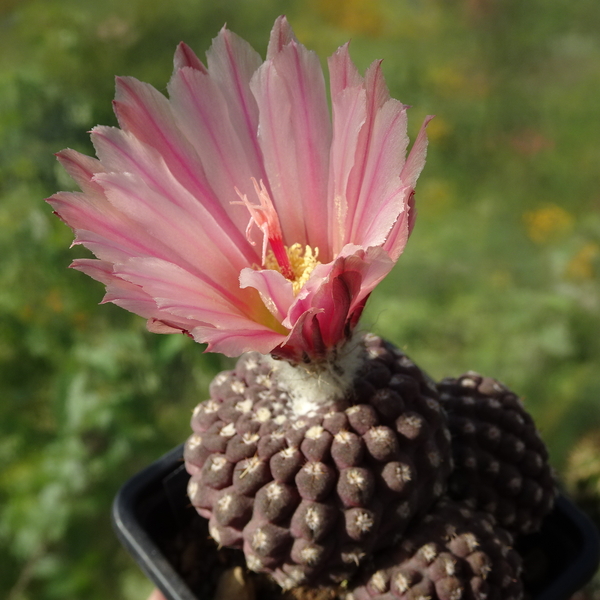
(501,464)
(454,553)
(309,497)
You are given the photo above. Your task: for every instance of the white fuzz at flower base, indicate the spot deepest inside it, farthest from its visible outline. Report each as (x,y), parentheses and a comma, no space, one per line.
(313,387)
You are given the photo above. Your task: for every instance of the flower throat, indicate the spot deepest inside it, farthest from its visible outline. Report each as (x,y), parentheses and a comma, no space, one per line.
(300,264)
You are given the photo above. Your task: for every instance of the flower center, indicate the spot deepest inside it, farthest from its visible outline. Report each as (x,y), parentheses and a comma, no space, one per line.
(293,262)
(301,264)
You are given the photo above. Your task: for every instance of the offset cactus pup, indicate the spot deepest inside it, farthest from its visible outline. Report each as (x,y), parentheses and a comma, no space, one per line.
(157,525)
(501,463)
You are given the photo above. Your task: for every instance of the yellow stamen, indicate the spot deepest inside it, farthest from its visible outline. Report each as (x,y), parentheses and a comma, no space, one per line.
(302,261)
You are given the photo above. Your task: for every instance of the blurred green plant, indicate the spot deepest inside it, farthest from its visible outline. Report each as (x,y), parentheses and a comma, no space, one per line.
(501,275)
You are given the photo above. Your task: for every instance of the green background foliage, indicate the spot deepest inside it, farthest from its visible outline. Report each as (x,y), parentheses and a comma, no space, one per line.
(501,274)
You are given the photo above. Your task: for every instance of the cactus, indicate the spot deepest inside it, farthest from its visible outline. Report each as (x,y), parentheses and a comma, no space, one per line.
(453,553)
(501,463)
(309,496)
(237,212)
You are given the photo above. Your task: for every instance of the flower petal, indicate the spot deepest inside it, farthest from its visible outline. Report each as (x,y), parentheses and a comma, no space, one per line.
(275,290)
(281,35)
(348,99)
(178,292)
(172,228)
(295,137)
(234,342)
(129,296)
(185,57)
(123,152)
(81,168)
(169,206)
(379,202)
(231,63)
(323,317)
(200,107)
(415,162)
(145,113)
(102,228)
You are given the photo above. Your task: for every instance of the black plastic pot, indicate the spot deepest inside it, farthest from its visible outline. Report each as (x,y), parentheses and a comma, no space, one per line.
(152,507)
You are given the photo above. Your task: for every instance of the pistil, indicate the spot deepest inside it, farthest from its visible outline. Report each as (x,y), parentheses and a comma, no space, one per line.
(265,217)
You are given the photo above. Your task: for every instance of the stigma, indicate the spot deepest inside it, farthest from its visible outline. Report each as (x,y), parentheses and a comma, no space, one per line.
(294,262)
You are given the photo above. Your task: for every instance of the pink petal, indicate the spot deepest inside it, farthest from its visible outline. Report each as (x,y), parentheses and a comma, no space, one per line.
(304,343)
(179,293)
(380,176)
(102,228)
(81,168)
(323,317)
(295,137)
(343,73)
(231,63)
(185,57)
(120,151)
(128,296)
(376,96)
(275,290)
(416,158)
(172,228)
(415,162)
(157,326)
(235,342)
(398,235)
(145,113)
(100,270)
(281,35)
(348,99)
(201,109)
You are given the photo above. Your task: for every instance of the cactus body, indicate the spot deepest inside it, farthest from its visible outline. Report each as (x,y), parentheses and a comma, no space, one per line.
(501,464)
(453,553)
(308,496)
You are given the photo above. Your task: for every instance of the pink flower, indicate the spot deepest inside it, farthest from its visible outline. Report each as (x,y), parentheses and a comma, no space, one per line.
(236,211)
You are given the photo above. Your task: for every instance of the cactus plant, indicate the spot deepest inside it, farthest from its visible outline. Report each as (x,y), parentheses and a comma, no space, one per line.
(237,213)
